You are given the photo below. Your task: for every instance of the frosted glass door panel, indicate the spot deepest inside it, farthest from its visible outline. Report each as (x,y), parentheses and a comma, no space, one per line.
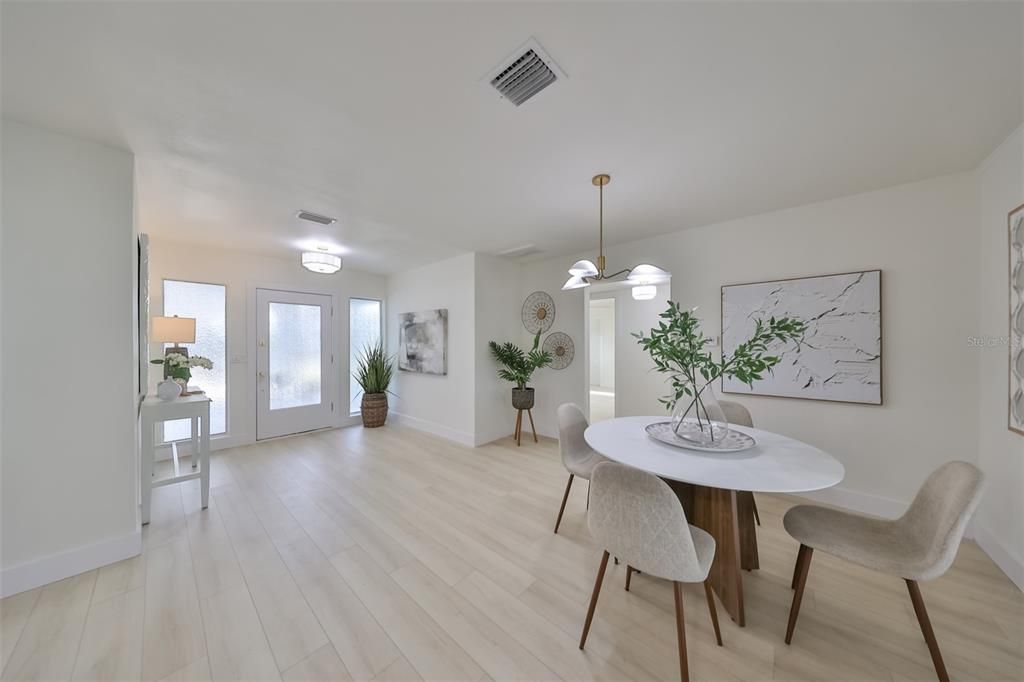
(294,346)
(296,386)
(205,302)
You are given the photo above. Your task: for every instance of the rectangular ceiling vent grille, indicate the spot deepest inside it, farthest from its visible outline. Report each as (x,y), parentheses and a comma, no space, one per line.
(528,71)
(316,218)
(519,251)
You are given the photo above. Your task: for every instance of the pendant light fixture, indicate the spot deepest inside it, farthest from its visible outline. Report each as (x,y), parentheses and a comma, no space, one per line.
(583,273)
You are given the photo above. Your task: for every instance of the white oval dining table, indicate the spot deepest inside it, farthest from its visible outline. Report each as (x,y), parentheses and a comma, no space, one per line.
(716,488)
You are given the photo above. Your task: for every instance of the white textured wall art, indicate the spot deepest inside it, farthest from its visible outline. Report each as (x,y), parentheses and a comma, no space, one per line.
(1016,338)
(840,355)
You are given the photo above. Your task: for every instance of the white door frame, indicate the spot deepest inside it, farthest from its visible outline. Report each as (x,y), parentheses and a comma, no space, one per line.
(314,418)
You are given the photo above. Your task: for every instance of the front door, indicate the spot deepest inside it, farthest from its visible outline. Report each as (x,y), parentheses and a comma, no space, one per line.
(294,362)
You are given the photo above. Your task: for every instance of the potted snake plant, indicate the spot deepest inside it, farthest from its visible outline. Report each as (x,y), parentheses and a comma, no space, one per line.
(374,369)
(518,366)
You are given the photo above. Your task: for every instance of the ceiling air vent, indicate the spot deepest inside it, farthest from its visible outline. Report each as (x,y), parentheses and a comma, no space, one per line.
(316,218)
(519,251)
(525,73)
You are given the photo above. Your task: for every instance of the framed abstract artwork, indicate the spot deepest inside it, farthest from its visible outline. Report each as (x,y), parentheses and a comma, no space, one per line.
(423,342)
(839,357)
(1015,341)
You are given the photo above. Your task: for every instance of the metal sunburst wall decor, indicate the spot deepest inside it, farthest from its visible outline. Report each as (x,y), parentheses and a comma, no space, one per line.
(561,349)
(538,312)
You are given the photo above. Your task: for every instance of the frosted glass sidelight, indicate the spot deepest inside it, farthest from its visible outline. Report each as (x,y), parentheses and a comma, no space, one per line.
(206,303)
(294,355)
(364,330)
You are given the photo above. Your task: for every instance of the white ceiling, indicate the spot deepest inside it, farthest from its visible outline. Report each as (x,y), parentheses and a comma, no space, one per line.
(241,114)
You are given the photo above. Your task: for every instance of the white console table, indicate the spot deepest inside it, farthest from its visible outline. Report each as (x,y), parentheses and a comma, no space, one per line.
(193,407)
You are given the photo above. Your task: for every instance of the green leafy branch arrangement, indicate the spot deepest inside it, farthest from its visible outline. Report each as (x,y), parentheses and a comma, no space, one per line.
(679,349)
(518,365)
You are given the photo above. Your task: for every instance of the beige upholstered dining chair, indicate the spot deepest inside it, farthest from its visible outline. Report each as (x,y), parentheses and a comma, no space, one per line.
(636,516)
(736,413)
(919,545)
(577,457)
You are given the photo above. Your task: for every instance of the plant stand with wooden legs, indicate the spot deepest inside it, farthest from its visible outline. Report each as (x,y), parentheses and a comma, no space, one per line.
(518,435)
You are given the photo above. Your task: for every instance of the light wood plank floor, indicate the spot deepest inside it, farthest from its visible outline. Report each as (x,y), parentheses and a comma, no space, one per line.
(389,554)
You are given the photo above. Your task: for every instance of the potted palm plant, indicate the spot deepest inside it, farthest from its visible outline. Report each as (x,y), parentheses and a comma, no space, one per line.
(518,367)
(374,369)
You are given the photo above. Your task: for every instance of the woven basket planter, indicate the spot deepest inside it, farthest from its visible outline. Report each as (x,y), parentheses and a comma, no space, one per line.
(374,409)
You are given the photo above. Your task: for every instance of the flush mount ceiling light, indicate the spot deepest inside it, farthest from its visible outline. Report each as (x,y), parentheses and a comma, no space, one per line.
(321,261)
(583,273)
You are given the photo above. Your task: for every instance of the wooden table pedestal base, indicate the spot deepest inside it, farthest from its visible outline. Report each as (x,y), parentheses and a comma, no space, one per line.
(728,515)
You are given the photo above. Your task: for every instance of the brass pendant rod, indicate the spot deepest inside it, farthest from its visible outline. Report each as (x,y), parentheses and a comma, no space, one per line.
(600,228)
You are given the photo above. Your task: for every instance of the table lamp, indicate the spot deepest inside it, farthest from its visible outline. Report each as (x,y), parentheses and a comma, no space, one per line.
(176,330)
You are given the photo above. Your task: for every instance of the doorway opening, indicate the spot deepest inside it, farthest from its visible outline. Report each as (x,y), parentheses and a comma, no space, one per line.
(620,381)
(602,358)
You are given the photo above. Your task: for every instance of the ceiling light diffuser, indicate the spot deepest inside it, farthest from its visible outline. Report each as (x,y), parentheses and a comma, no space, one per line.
(323,263)
(645,293)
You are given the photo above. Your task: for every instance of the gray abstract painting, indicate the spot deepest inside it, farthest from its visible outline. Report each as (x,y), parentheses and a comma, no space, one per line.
(423,342)
(840,355)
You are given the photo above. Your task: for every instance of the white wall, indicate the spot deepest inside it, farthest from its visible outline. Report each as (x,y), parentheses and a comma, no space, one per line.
(498,318)
(1000,519)
(68,435)
(439,404)
(242,273)
(921,235)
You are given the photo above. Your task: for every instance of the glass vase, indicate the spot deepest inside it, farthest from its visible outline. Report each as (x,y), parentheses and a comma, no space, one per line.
(700,419)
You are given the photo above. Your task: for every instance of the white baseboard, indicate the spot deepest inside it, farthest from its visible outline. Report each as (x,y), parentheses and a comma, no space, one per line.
(1012,566)
(460,437)
(223,442)
(62,565)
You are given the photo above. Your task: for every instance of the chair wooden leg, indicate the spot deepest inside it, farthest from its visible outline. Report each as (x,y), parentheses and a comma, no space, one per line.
(629,576)
(565,498)
(926,630)
(803,566)
(753,505)
(709,593)
(796,566)
(684,669)
(593,598)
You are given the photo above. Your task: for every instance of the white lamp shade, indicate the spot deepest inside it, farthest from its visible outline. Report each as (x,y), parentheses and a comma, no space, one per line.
(173,330)
(646,273)
(324,263)
(575,283)
(583,268)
